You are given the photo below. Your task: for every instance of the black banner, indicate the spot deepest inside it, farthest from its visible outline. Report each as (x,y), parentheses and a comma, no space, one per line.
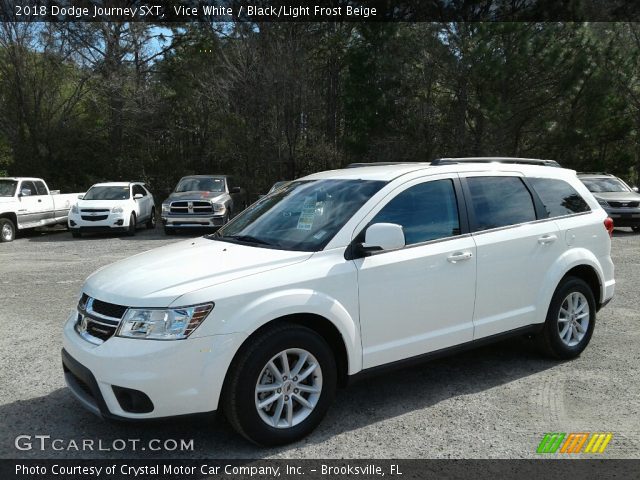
(316,469)
(318,11)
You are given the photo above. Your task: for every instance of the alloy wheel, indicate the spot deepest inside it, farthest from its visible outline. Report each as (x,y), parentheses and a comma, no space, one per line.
(573,319)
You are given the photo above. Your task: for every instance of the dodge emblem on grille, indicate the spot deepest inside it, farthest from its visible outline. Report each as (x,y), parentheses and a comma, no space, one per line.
(190,205)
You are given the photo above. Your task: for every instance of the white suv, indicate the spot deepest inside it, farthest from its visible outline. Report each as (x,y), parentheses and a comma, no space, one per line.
(335,274)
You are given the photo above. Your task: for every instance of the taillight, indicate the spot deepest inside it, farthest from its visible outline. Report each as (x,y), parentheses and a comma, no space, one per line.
(608,224)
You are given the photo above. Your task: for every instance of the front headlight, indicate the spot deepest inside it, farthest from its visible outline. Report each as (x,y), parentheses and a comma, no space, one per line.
(218,207)
(165,208)
(163,324)
(74,208)
(116,210)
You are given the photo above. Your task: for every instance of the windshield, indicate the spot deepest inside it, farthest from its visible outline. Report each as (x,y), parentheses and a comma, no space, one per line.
(601,185)
(196,184)
(300,216)
(8,188)
(108,193)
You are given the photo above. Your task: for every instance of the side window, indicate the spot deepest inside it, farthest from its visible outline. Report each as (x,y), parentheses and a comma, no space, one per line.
(427,211)
(500,201)
(559,197)
(28,185)
(137,189)
(40,188)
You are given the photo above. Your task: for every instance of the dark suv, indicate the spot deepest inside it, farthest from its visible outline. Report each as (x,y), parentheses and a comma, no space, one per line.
(620,201)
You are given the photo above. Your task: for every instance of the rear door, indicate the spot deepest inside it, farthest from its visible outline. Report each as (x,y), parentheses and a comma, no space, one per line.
(419,298)
(516,247)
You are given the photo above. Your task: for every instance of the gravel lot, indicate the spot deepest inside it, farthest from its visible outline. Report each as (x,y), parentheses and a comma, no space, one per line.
(495,402)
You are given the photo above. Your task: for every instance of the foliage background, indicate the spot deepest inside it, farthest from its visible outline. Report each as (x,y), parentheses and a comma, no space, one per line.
(85,102)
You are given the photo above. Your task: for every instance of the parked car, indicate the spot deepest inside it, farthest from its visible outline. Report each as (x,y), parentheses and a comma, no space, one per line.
(202,201)
(619,200)
(113,207)
(27,202)
(334,276)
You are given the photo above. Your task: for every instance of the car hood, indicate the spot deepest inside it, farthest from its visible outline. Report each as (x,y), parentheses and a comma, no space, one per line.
(618,196)
(158,277)
(215,196)
(100,203)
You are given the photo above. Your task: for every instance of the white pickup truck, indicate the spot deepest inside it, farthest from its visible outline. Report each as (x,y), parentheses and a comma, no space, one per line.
(28,203)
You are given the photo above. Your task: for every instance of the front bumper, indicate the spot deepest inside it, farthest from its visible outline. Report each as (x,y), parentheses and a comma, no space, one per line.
(624,217)
(113,221)
(193,221)
(179,377)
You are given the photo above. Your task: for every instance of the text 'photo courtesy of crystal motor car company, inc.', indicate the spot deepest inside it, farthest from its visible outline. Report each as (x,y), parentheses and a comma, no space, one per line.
(295,299)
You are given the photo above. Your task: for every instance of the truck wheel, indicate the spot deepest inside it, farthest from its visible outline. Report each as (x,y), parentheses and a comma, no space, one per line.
(76,233)
(151,224)
(280,386)
(7,230)
(570,320)
(132,225)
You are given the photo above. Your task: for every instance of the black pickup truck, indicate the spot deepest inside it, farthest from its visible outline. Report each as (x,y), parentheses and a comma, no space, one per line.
(202,201)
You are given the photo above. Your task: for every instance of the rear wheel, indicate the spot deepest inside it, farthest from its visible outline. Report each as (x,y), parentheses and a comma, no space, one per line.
(570,320)
(151,223)
(131,231)
(7,230)
(280,387)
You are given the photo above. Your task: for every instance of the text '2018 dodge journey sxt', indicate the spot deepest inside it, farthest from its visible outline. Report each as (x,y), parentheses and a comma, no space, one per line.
(336,274)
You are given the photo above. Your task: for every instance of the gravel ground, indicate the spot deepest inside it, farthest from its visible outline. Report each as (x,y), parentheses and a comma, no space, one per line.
(495,402)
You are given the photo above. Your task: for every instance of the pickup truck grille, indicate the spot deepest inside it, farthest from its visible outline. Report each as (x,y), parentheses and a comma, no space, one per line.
(97,320)
(95,218)
(191,207)
(624,204)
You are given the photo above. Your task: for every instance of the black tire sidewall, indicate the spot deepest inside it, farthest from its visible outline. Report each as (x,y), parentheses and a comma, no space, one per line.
(252,426)
(556,346)
(132,225)
(6,221)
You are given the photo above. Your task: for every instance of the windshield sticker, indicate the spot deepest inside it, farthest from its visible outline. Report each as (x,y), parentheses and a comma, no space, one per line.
(305,222)
(320,235)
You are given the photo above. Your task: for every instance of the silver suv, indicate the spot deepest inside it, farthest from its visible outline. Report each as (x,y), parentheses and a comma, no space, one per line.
(620,201)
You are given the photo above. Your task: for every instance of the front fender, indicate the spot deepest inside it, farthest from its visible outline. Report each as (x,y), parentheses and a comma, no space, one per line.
(264,309)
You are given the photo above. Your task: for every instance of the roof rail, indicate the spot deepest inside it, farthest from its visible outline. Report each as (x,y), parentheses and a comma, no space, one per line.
(516,160)
(596,173)
(376,164)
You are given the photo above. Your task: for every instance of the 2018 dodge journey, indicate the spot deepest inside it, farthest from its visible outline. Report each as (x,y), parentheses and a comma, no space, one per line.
(337,274)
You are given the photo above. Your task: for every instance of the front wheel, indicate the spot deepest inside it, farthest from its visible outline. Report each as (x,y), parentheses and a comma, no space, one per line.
(151,223)
(570,320)
(131,231)
(280,387)
(7,230)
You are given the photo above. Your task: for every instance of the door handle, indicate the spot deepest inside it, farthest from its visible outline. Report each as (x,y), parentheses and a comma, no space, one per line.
(545,239)
(459,256)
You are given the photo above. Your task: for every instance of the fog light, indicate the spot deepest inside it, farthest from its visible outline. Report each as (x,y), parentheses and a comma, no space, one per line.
(133,401)
(72,223)
(119,222)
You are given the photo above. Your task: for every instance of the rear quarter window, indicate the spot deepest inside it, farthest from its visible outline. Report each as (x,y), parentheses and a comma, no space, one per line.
(559,198)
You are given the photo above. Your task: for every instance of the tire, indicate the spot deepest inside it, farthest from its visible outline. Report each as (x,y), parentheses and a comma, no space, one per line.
(573,296)
(76,234)
(250,369)
(151,223)
(7,230)
(169,231)
(131,231)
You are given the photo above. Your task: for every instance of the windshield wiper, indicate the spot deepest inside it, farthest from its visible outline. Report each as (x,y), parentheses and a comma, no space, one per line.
(245,238)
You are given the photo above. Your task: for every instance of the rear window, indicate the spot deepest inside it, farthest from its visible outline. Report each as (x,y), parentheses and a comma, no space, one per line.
(500,202)
(559,198)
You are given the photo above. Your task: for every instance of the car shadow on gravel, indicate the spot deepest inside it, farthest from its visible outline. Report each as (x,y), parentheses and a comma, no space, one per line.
(367,402)
(55,236)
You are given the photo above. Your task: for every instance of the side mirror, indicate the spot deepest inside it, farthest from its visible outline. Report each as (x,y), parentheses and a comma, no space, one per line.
(635,189)
(25,192)
(138,196)
(235,190)
(81,196)
(383,236)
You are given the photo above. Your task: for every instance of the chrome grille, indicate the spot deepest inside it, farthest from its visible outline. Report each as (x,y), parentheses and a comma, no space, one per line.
(97,320)
(191,207)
